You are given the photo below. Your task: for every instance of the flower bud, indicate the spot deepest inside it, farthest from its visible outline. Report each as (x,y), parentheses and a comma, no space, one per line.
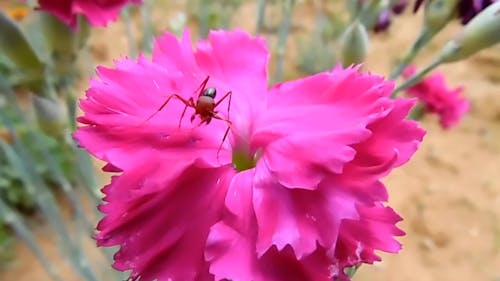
(438,13)
(178,22)
(481,32)
(62,41)
(398,6)
(383,21)
(354,44)
(15,47)
(50,116)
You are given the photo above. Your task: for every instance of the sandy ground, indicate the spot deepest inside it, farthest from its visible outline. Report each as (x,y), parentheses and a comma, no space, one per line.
(448,194)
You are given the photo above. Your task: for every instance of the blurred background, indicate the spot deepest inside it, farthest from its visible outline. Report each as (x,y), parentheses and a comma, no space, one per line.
(448,195)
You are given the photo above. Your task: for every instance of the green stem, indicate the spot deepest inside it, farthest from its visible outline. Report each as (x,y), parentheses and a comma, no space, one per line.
(284,31)
(354,7)
(352,270)
(417,112)
(132,49)
(85,170)
(71,107)
(147,27)
(423,39)
(204,9)
(261,14)
(417,77)
(83,32)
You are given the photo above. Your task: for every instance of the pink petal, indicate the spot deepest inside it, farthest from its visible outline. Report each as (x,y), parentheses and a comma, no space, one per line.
(231,245)
(239,63)
(327,140)
(313,123)
(359,238)
(117,109)
(176,55)
(134,220)
(392,142)
(231,254)
(300,218)
(296,165)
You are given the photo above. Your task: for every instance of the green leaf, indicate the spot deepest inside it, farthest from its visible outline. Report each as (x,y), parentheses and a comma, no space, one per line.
(21,160)
(46,202)
(6,246)
(15,221)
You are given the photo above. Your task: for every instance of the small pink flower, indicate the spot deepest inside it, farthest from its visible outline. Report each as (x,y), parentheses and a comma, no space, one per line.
(97,12)
(295,191)
(438,98)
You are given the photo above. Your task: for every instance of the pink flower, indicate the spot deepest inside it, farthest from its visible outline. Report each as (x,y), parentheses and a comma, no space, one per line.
(97,12)
(438,98)
(293,194)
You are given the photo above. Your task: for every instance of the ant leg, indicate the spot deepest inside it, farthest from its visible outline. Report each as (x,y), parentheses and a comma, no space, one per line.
(203,121)
(202,86)
(230,94)
(188,103)
(229,124)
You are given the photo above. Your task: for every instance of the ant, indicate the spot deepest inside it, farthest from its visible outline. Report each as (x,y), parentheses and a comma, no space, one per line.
(204,106)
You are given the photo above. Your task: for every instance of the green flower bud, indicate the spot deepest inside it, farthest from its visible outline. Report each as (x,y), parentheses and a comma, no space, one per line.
(354,44)
(50,115)
(61,41)
(177,23)
(438,13)
(481,32)
(27,66)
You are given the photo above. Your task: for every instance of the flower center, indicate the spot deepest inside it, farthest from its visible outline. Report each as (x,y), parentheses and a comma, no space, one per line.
(242,160)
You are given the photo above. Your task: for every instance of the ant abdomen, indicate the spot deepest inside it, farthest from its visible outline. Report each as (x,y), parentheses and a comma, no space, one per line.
(205,105)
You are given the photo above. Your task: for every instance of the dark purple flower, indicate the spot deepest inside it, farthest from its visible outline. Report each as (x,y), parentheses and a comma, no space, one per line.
(418,3)
(383,21)
(399,6)
(470,8)
(467,9)
(384,17)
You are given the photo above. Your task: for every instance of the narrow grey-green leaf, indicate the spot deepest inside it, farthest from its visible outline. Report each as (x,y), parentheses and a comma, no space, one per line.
(15,221)
(23,163)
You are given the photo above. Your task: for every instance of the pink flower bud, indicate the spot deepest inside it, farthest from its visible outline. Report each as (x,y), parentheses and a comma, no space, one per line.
(97,12)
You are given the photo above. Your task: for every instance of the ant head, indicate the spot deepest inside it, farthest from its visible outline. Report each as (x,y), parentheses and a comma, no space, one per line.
(209,92)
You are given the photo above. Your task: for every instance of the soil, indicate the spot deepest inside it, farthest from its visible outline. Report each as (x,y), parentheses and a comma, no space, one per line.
(448,194)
